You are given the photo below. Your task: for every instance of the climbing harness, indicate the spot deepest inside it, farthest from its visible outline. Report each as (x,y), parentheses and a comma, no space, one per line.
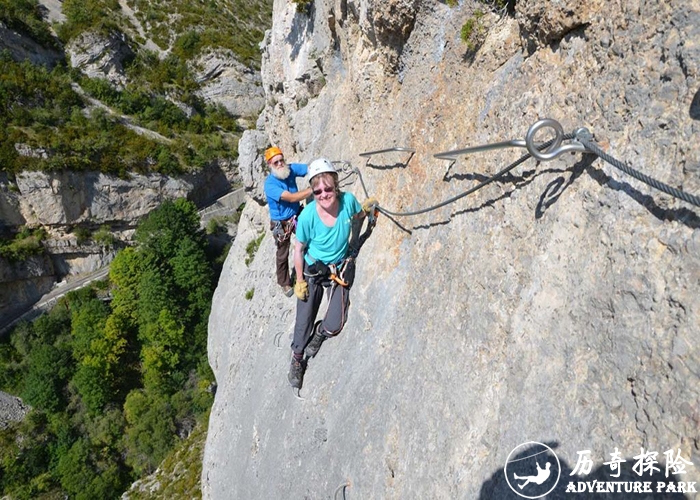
(282,229)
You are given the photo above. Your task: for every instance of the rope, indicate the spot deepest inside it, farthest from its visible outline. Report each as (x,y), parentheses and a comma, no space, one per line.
(529,456)
(677,193)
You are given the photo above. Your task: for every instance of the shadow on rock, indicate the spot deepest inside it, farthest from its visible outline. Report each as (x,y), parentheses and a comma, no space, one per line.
(694,111)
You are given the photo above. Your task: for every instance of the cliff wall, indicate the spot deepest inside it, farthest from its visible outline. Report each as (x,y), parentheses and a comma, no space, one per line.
(560,304)
(60,201)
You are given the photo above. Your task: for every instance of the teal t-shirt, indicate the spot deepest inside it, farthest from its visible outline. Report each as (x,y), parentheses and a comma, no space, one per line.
(327,244)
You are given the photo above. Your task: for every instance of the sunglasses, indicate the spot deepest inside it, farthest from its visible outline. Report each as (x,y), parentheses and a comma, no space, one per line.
(275,163)
(326,189)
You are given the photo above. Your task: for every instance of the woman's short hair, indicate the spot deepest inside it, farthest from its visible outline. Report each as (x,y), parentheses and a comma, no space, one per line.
(331,179)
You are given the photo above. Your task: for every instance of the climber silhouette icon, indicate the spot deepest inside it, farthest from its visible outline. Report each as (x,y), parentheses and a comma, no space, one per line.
(541,477)
(532,470)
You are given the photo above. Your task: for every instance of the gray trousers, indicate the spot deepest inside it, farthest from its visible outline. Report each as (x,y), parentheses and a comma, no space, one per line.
(335,318)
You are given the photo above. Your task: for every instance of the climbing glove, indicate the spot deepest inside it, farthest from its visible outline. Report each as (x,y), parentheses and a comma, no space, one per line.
(368,204)
(301,290)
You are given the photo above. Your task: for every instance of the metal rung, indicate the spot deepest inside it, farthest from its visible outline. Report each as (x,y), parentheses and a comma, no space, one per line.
(389,150)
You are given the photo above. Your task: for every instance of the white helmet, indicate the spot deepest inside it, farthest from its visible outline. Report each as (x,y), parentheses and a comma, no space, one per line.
(319,166)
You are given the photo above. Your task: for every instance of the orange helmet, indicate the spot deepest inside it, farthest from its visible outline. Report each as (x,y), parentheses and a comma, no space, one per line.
(272,152)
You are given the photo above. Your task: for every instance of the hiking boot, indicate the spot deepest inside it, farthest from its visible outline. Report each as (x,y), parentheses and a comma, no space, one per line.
(288,290)
(315,344)
(296,373)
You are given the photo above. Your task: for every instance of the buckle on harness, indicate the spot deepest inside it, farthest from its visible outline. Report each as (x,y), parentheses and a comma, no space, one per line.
(332,272)
(335,274)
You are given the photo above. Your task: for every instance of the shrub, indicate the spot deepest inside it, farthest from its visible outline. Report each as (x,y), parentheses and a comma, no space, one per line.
(249,294)
(26,243)
(104,236)
(82,235)
(214,226)
(472,31)
(302,5)
(252,248)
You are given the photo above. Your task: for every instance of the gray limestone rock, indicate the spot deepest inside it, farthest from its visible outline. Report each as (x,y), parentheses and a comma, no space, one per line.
(226,81)
(23,48)
(251,163)
(101,56)
(12,409)
(560,304)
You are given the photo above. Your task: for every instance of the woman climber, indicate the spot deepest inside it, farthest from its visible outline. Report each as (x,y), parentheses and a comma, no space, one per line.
(324,258)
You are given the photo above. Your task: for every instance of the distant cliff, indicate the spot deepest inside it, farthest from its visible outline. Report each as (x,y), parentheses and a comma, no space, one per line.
(220,87)
(559,304)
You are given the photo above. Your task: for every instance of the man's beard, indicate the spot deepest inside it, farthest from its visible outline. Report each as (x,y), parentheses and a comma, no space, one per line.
(281,173)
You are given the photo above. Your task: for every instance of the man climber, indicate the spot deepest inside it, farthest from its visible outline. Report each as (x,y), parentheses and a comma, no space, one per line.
(283,200)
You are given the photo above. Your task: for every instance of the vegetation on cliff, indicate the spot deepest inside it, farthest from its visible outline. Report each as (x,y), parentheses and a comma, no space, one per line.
(24,16)
(47,123)
(115,384)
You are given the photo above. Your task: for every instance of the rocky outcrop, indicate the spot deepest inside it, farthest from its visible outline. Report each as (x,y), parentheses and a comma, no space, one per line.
(12,409)
(60,201)
(23,48)
(560,304)
(101,55)
(253,168)
(227,82)
(23,283)
(67,198)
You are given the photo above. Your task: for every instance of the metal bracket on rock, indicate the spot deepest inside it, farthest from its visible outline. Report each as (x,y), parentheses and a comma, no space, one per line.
(550,152)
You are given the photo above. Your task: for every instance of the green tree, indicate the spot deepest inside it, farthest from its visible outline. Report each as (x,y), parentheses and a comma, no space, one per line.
(48,371)
(150,432)
(192,274)
(164,346)
(125,274)
(83,477)
(24,456)
(87,326)
(164,228)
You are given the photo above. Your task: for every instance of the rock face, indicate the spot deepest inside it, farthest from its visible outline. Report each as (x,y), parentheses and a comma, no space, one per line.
(253,168)
(66,198)
(23,48)
(12,409)
(58,201)
(229,83)
(24,283)
(101,56)
(560,304)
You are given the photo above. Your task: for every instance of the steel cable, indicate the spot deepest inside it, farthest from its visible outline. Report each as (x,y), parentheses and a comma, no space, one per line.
(491,179)
(590,147)
(682,195)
